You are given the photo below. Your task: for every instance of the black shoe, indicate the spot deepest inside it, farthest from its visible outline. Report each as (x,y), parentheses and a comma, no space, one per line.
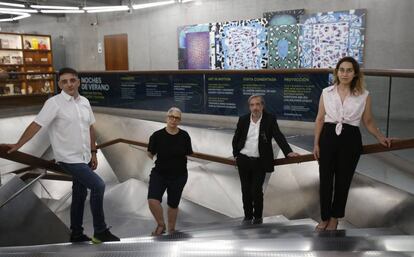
(77,238)
(257,221)
(247,221)
(104,236)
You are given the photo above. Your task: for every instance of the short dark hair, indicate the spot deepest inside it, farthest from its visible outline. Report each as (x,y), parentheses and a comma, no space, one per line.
(67,70)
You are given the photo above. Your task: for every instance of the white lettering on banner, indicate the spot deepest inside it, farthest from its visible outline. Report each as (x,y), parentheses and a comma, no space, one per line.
(98,87)
(91,80)
(94,84)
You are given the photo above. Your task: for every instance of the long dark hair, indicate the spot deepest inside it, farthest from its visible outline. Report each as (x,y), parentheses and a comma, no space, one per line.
(357,83)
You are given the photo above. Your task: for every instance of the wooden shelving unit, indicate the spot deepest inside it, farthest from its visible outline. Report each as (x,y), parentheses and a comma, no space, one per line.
(26,53)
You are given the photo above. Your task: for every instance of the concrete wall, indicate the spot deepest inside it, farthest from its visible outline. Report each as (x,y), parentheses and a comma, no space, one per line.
(152,33)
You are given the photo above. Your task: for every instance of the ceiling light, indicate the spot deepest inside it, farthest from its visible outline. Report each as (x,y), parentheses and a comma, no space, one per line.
(18,10)
(19,16)
(112,9)
(125,7)
(13,5)
(142,6)
(55,7)
(62,11)
(186,1)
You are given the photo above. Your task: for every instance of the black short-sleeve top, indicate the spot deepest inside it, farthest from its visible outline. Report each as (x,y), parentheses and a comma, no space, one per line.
(171,151)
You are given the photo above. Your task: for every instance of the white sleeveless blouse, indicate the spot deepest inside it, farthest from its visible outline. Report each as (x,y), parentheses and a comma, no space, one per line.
(350,112)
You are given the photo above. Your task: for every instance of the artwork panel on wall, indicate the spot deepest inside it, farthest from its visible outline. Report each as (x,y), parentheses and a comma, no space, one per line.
(283,46)
(193,47)
(239,44)
(327,37)
(287,17)
(197,45)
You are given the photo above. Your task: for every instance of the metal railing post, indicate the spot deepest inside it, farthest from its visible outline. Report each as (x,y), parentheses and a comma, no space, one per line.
(389,106)
(22,189)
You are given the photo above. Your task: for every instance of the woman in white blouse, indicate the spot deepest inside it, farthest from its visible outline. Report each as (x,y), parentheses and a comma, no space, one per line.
(338,144)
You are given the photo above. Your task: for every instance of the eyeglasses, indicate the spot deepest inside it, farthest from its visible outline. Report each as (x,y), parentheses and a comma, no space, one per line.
(349,70)
(172,117)
(67,81)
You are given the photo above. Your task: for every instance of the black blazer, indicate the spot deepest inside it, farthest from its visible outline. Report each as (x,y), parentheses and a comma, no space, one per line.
(268,129)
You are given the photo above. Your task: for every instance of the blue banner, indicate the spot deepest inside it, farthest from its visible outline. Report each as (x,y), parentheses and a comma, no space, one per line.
(289,96)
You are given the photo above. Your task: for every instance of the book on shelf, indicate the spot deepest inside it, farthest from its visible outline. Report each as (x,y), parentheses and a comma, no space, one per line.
(43,45)
(35,43)
(12,76)
(27,44)
(46,88)
(5,59)
(9,89)
(5,43)
(29,89)
(17,89)
(34,76)
(16,60)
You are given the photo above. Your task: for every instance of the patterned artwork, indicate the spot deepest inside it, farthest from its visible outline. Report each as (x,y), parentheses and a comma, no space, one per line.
(288,17)
(197,44)
(239,44)
(283,46)
(326,37)
(193,47)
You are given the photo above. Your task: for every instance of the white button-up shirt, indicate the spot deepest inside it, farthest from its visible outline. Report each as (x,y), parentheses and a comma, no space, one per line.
(349,112)
(68,122)
(251,147)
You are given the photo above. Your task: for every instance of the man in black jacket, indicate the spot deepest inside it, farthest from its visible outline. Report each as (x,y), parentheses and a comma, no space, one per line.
(252,148)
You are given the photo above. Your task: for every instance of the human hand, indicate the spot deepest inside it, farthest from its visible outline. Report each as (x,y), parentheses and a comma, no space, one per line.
(316,152)
(385,141)
(293,154)
(13,148)
(235,162)
(94,161)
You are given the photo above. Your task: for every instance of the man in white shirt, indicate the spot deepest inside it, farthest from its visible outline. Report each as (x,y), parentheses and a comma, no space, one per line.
(252,148)
(69,119)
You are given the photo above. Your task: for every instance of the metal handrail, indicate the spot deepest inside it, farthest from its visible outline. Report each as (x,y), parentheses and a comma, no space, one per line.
(30,160)
(40,163)
(397,144)
(22,189)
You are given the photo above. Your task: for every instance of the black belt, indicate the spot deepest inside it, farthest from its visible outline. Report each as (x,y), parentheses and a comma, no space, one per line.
(250,158)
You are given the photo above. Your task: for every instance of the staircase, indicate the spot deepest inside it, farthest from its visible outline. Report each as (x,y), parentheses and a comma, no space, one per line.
(277,236)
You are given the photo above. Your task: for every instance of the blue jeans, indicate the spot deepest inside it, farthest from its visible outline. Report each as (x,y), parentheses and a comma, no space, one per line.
(85,178)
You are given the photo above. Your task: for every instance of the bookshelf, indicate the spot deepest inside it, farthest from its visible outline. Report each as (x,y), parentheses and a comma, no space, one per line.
(26,53)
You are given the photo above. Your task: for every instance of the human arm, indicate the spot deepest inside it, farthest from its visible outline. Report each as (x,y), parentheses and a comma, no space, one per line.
(151,150)
(320,119)
(236,138)
(281,140)
(94,159)
(28,134)
(369,123)
(189,147)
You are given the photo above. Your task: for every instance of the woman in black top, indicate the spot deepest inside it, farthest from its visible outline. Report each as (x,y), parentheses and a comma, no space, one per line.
(171,145)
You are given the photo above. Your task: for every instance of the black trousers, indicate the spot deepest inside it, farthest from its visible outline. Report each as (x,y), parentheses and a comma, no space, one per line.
(339,156)
(252,176)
